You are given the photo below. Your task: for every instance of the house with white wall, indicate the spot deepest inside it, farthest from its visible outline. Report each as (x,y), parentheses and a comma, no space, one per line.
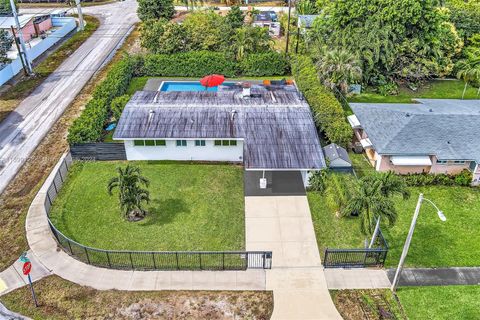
(267,129)
(430,136)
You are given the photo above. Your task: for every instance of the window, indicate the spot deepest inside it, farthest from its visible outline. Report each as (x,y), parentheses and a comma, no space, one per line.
(149,143)
(138,142)
(458,162)
(225,143)
(441,161)
(181,143)
(200,143)
(160,143)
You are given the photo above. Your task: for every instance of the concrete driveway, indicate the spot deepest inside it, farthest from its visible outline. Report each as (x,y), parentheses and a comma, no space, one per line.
(283,225)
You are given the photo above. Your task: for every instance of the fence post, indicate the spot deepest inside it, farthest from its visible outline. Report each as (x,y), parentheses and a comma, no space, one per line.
(223,260)
(200,259)
(154,263)
(325,259)
(55,186)
(60,173)
(49,200)
(176,256)
(131,260)
(246,260)
(86,253)
(108,259)
(70,247)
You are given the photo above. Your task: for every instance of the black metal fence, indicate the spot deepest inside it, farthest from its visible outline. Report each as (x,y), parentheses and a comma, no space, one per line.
(358,258)
(98,151)
(150,260)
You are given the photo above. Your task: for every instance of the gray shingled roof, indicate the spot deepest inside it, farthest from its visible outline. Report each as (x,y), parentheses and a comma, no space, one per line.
(333,152)
(277,126)
(449,129)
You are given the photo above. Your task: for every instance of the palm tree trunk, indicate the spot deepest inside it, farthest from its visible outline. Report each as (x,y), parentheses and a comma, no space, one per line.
(374,236)
(464,89)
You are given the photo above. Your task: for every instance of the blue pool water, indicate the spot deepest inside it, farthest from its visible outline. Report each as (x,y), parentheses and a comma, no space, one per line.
(186,86)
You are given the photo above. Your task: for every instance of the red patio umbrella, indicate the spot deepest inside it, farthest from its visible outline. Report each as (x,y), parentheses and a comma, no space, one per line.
(212,80)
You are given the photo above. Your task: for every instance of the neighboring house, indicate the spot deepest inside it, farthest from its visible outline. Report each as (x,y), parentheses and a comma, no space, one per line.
(266,129)
(432,136)
(268,19)
(337,157)
(32,26)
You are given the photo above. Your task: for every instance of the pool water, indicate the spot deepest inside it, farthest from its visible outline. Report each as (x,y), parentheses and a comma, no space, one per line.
(185,86)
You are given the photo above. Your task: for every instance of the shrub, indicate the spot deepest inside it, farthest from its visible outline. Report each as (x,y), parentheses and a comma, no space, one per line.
(189,64)
(118,104)
(89,126)
(264,64)
(464,178)
(328,113)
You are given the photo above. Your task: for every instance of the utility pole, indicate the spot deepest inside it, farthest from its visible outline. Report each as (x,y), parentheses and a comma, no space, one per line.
(28,63)
(81,25)
(288,26)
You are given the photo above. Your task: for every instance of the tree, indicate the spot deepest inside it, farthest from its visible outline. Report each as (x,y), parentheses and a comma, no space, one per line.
(338,68)
(306,7)
(371,200)
(398,39)
(250,39)
(155,9)
(6,42)
(468,70)
(465,15)
(205,30)
(131,195)
(161,36)
(235,18)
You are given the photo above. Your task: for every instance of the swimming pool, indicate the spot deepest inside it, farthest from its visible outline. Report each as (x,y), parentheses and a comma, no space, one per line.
(187,86)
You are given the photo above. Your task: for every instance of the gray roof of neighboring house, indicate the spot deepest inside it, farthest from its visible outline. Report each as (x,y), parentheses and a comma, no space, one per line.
(306,20)
(277,126)
(447,128)
(334,152)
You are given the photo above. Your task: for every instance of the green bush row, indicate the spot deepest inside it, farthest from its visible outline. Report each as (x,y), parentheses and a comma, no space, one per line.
(89,126)
(328,112)
(201,63)
(464,178)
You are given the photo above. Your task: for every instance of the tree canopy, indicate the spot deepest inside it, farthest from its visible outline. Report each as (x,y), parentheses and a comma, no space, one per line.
(395,39)
(155,9)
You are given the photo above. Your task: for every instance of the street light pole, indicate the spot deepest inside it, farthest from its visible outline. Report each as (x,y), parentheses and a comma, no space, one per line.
(28,63)
(409,238)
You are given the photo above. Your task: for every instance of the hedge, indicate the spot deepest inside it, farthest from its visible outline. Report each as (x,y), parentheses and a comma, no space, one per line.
(189,64)
(464,178)
(264,64)
(89,126)
(328,112)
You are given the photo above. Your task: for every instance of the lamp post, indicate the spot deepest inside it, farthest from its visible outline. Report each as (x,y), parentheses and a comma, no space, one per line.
(409,237)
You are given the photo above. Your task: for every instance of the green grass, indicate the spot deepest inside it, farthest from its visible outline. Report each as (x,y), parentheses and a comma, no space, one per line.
(455,242)
(439,89)
(360,164)
(193,207)
(437,303)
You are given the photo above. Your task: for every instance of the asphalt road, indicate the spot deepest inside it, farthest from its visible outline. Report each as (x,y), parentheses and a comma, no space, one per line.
(23,130)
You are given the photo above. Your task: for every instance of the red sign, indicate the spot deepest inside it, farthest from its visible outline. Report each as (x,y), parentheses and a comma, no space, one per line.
(27,267)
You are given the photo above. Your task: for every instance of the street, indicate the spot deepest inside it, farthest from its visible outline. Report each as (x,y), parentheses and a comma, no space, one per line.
(24,128)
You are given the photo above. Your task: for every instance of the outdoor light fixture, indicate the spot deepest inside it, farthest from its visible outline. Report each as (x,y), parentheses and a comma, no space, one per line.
(409,237)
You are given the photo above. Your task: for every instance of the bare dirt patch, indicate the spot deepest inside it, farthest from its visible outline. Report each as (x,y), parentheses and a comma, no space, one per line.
(60,299)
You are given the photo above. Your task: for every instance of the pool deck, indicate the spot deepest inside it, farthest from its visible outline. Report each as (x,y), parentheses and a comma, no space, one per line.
(154,84)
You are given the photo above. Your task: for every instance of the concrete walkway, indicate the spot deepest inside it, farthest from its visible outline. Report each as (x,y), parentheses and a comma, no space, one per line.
(339,278)
(284,226)
(12,278)
(437,276)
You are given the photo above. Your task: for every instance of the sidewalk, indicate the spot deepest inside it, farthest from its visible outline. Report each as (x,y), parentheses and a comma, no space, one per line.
(356,278)
(284,226)
(437,277)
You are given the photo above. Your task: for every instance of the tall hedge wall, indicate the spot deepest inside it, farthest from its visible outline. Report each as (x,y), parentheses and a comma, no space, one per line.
(89,126)
(328,112)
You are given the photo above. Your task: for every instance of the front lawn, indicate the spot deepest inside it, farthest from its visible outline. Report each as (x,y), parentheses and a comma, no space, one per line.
(197,207)
(455,242)
(448,303)
(439,89)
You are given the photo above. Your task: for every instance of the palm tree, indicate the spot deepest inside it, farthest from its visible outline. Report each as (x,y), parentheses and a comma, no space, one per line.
(469,71)
(130,193)
(338,68)
(369,202)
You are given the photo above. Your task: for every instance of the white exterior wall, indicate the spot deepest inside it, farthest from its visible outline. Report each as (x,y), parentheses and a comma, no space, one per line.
(306,178)
(209,152)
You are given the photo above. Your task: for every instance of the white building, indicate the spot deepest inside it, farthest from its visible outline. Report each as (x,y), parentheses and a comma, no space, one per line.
(269,129)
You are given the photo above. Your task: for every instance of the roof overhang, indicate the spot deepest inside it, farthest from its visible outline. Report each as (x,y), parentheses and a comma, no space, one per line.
(366,143)
(411,160)
(354,122)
